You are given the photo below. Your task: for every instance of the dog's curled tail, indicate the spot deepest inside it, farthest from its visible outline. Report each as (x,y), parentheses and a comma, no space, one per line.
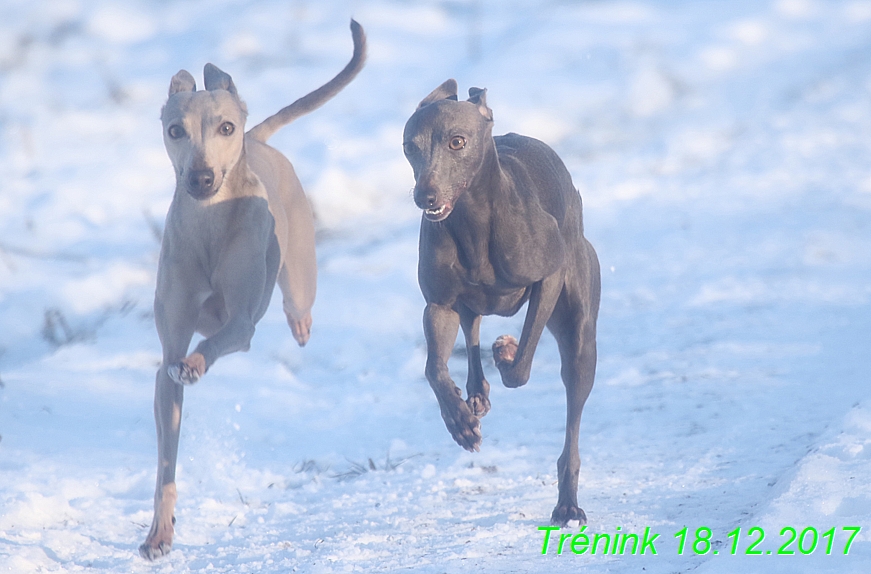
(312,101)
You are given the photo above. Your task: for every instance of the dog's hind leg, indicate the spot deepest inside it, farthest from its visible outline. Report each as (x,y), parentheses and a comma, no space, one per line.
(298,284)
(295,232)
(440,326)
(513,359)
(477,387)
(578,354)
(574,326)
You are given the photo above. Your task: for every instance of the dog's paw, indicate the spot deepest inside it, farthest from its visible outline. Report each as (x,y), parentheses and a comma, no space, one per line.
(564,513)
(504,353)
(479,404)
(152,551)
(301,329)
(463,425)
(504,349)
(189,370)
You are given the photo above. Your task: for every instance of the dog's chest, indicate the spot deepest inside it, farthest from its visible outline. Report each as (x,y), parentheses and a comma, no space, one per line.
(458,266)
(200,236)
(488,300)
(477,286)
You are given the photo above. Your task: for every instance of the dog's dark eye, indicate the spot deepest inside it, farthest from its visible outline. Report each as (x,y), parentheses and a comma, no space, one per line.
(227,129)
(457,143)
(176,132)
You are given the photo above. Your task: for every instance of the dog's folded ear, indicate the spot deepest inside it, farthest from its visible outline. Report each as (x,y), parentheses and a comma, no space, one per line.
(182,82)
(217,79)
(447,91)
(478,96)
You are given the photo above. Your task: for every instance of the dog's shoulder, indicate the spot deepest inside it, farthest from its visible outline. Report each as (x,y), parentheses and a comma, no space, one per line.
(522,147)
(526,157)
(510,144)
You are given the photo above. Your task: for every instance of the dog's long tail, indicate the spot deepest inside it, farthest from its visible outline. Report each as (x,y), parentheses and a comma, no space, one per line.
(310,102)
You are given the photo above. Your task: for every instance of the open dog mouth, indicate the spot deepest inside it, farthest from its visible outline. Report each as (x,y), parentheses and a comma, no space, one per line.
(438,213)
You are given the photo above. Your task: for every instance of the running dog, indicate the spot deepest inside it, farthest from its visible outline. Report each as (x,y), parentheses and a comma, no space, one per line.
(238,223)
(502,226)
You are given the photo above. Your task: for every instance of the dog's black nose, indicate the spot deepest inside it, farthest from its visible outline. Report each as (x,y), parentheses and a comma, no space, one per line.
(200,181)
(425,199)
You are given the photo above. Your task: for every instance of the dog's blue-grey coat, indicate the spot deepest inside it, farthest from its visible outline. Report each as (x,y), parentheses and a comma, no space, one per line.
(502,226)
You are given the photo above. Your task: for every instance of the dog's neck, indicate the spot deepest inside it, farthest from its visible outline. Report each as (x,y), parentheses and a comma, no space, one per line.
(471,224)
(485,189)
(241,181)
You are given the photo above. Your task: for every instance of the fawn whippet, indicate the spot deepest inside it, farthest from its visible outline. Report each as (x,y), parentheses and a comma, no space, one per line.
(238,223)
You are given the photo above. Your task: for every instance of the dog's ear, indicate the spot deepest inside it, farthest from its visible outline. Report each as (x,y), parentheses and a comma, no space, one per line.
(182,82)
(447,91)
(478,96)
(217,79)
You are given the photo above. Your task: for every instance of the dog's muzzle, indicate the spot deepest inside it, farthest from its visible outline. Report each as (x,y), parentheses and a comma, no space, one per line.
(433,208)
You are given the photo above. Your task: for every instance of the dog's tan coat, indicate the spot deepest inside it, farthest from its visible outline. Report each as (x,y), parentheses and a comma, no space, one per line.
(238,224)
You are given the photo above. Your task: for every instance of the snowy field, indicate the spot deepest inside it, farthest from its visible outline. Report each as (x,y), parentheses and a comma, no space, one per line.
(723,151)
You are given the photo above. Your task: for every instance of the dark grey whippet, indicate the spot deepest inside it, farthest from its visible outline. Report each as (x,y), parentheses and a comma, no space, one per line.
(502,226)
(239,222)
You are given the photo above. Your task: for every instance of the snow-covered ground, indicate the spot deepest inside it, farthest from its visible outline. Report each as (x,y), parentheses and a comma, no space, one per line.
(723,150)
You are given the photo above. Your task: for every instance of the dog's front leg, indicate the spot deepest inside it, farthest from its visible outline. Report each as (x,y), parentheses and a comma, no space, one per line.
(176,318)
(477,387)
(513,359)
(168,398)
(245,285)
(234,336)
(440,326)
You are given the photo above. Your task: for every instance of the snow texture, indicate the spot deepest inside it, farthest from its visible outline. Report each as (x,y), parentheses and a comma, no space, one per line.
(722,151)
